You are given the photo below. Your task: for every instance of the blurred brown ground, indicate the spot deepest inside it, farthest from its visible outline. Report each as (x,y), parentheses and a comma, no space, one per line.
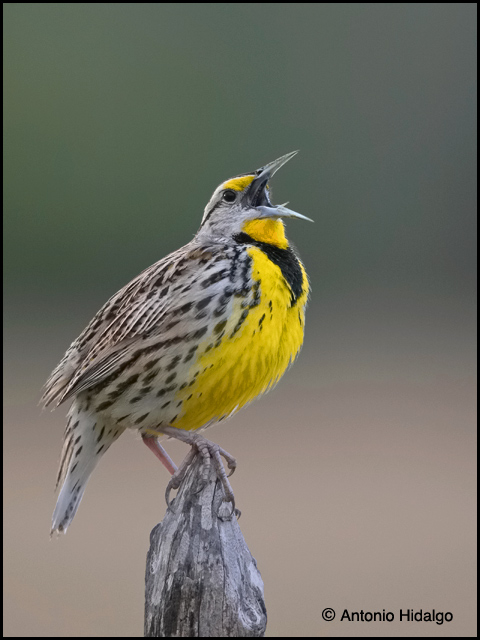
(356,481)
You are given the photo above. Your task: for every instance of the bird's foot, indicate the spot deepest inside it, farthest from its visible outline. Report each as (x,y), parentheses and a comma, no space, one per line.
(211,453)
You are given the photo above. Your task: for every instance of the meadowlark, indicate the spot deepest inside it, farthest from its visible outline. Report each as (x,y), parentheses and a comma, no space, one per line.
(188,342)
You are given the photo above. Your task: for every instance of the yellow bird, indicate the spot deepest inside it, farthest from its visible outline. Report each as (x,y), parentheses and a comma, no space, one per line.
(188,342)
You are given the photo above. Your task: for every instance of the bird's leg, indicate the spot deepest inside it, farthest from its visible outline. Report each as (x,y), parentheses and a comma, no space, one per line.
(154,445)
(210,452)
(176,479)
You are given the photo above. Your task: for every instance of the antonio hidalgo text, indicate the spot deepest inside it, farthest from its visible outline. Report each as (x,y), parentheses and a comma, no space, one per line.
(405,615)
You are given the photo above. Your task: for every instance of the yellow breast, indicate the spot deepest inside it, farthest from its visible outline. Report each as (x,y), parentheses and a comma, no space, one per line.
(254,352)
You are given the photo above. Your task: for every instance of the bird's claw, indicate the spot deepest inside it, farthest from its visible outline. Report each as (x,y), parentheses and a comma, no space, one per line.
(211,453)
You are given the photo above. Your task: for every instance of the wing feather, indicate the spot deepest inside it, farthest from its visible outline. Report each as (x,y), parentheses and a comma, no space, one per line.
(133,314)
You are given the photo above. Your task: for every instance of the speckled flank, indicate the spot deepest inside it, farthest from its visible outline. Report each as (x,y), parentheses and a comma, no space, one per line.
(249,350)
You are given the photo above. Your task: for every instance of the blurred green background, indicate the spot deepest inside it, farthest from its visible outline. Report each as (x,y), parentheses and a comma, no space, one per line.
(356,475)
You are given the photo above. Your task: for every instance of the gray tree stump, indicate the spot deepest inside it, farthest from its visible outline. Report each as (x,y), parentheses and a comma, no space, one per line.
(201,579)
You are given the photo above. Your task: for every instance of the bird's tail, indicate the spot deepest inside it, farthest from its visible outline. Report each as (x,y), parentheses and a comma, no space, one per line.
(86,439)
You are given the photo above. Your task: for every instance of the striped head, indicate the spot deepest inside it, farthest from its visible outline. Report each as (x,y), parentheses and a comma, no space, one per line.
(242,205)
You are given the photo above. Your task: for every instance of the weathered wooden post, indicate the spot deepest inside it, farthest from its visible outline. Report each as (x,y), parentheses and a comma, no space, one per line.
(201,579)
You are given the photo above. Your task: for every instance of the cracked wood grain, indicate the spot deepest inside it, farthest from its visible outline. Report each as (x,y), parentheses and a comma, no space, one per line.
(201,579)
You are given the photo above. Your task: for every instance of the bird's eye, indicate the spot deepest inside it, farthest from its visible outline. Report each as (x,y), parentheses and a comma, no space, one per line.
(229,196)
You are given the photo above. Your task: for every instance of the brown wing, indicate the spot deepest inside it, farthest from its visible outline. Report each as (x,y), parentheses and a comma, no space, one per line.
(130,316)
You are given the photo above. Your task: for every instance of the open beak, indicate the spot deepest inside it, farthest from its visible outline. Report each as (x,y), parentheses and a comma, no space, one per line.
(258,194)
